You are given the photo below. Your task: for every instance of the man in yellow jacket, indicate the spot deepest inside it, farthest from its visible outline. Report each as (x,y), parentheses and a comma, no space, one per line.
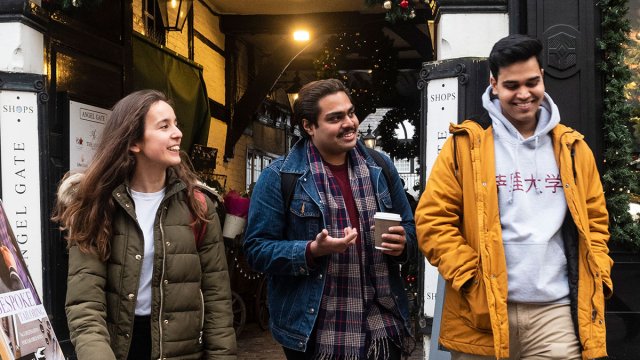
(514,218)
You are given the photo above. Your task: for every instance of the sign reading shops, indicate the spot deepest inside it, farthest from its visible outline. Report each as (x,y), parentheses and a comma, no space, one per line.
(442,109)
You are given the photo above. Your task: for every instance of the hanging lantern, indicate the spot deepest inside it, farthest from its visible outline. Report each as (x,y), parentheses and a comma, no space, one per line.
(174,13)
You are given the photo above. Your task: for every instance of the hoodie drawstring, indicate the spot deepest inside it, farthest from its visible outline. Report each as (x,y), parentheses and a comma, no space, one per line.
(516,158)
(535,165)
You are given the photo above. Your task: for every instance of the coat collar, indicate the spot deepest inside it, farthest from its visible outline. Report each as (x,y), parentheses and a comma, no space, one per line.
(174,185)
(296,161)
(560,133)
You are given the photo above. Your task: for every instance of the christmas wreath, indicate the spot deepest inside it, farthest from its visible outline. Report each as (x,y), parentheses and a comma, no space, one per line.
(397,148)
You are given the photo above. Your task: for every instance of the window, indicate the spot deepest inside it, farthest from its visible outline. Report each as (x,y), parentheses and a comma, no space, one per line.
(403,165)
(256,162)
(408,172)
(153,26)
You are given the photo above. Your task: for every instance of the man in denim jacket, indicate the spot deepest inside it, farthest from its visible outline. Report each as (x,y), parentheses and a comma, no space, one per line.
(332,295)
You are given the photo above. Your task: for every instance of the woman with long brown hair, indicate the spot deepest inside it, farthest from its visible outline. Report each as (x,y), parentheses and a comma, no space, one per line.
(147,272)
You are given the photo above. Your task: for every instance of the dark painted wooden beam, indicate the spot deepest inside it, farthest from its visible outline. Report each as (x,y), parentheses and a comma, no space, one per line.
(320,23)
(472,6)
(306,64)
(268,74)
(418,40)
(217,110)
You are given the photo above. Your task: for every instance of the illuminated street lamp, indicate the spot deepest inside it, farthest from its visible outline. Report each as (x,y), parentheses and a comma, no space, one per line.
(174,13)
(301,35)
(369,139)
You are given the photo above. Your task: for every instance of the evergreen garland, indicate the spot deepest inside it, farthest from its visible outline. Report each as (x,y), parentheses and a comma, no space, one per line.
(396,9)
(400,149)
(618,175)
(632,89)
(400,9)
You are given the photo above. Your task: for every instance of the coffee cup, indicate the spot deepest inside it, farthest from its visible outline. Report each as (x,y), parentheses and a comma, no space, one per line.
(383,221)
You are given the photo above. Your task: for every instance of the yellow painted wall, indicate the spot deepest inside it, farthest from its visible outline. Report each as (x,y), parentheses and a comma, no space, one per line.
(213,65)
(178,41)
(138,23)
(212,70)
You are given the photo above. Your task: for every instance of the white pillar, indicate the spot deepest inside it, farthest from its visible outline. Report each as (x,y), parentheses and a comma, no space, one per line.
(21,49)
(462,35)
(22,52)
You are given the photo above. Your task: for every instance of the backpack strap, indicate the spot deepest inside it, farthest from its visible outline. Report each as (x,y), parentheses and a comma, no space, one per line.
(198,231)
(287,184)
(377,157)
(288,180)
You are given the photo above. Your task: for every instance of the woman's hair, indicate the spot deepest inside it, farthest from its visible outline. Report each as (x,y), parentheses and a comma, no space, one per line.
(87,210)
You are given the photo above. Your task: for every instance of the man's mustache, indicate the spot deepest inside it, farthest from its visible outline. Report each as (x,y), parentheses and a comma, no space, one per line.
(347,130)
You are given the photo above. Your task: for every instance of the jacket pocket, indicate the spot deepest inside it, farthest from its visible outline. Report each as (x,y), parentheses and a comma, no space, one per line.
(474,308)
(385,199)
(305,216)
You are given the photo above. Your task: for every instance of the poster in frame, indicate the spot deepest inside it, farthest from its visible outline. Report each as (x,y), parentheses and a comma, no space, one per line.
(26,332)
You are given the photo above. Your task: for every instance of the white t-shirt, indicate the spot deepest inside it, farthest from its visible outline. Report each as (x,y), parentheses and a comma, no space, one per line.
(147,205)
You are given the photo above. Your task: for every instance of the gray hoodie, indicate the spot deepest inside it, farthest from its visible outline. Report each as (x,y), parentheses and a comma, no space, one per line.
(532,206)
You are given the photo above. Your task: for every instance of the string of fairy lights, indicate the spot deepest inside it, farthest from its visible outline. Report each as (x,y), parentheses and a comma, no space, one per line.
(379,60)
(241,268)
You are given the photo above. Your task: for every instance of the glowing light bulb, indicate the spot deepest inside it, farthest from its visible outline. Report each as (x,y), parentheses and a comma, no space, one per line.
(301,35)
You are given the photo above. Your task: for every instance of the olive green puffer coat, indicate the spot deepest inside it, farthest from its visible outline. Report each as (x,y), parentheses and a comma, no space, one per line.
(191,315)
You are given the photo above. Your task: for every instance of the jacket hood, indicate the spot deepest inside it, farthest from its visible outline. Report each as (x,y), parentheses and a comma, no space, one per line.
(511,148)
(68,188)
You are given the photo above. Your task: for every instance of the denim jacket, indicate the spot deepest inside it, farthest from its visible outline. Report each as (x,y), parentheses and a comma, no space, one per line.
(276,240)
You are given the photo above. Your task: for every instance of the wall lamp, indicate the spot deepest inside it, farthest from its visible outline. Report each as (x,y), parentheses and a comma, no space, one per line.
(174,13)
(369,139)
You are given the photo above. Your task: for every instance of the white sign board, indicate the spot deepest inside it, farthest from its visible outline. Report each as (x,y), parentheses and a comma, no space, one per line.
(21,175)
(86,123)
(442,109)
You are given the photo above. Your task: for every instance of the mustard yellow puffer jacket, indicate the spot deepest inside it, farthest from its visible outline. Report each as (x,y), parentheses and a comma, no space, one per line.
(458,228)
(191,316)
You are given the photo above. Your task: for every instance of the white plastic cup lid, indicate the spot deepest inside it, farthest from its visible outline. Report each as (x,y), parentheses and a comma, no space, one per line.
(387,216)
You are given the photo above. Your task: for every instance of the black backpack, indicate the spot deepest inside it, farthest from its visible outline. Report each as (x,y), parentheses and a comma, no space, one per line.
(288,180)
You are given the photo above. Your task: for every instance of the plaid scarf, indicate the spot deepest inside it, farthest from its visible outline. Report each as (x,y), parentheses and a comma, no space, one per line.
(358,315)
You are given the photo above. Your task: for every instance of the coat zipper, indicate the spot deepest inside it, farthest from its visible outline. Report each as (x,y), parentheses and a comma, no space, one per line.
(590,264)
(201,318)
(164,257)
